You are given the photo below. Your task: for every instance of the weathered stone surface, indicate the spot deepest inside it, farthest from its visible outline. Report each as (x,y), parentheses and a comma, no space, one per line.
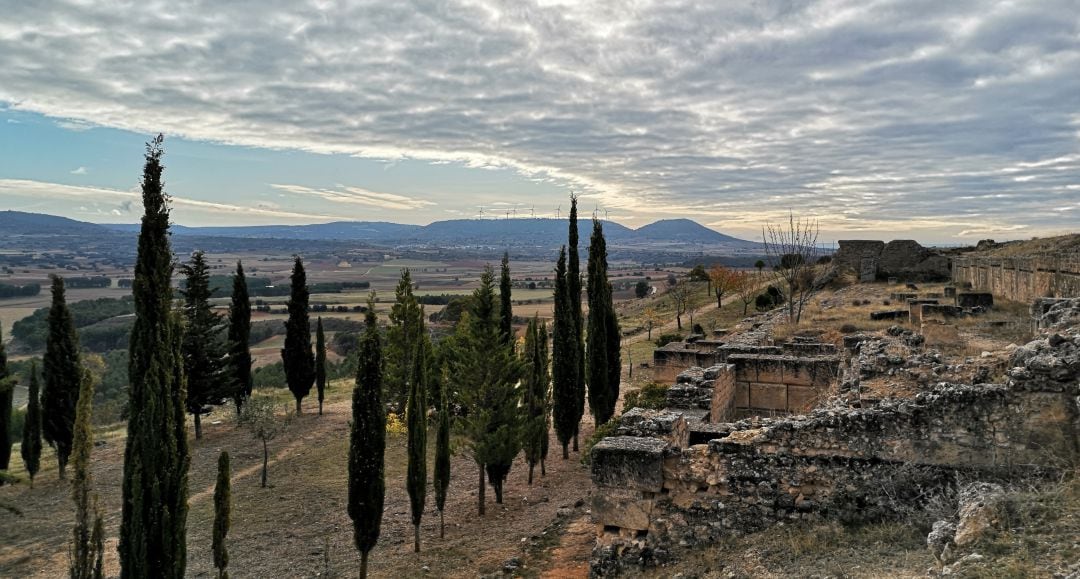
(900,259)
(1021,278)
(981,512)
(940,540)
(621,508)
(629,462)
(663,424)
(889,315)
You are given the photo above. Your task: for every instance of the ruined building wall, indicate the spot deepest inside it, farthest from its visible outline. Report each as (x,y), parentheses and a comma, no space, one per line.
(842,463)
(1021,279)
(904,259)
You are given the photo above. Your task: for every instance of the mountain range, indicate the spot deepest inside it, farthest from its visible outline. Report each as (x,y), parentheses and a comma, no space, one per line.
(456,232)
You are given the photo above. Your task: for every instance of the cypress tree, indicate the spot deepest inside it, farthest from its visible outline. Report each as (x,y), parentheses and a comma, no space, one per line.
(7,397)
(367,443)
(506,314)
(320,362)
(31,435)
(545,353)
(204,354)
(239,337)
(296,355)
(441,479)
(406,329)
(62,369)
(416,415)
(154,520)
(536,395)
(603,336)
(573,284)
(564,366)
(484,370)
(88,550)
(222,515)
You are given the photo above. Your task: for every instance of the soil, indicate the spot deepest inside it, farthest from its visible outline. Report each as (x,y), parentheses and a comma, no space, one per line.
(299,527)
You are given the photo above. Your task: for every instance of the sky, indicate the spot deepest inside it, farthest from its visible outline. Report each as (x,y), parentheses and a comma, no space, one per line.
(945,122)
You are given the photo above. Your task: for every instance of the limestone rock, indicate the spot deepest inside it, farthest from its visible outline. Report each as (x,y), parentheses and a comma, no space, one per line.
(981,509)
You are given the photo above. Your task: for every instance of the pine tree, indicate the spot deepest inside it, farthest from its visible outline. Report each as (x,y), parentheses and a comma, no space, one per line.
(31,435)
(296,355)
(320,363)
(604,362)
(483,369)
(153,527)
(222,515)
(416,415)
(536,394)
(406,329)
(367,443)
(62,369)
(506,314)
(204,354)
(7,397)
(573,285)
(87,552)
(441,478)
(239,361)
(564,364)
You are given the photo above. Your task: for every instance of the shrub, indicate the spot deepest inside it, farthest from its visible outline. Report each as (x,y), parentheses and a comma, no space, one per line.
(394,424)
(603,431)
(651,396)
(666,339)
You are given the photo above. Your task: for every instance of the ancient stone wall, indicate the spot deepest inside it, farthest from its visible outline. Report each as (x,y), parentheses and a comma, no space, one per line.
(842,463)
(903,259)
(776,384)
(1021,279)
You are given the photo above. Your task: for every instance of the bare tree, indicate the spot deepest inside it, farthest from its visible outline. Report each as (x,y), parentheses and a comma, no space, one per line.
(791,249)
(680,296)
(258,415)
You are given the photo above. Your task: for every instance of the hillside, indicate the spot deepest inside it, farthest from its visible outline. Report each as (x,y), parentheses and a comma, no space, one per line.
(39,224)
(684,231)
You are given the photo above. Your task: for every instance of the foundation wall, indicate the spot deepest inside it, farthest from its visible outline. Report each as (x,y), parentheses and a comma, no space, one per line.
(1021,279)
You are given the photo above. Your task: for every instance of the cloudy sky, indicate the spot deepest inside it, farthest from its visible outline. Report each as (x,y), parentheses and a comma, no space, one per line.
(945,121)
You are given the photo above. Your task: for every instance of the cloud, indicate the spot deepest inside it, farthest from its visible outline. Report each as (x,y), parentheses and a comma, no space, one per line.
(42,190)
(357,195)
(896,113)
(79,171)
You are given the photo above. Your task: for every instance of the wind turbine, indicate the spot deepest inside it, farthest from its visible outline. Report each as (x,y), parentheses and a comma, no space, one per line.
(606,214)
(558,212)
(532,213)
(481,213)
(515,210)
(508,215)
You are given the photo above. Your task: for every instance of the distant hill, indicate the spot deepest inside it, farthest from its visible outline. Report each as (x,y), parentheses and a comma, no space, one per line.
(547,234)
(39,224)
(684,231)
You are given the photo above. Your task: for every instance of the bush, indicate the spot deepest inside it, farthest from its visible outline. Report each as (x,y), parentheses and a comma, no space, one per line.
(605,430)
(666,339)
(651,396)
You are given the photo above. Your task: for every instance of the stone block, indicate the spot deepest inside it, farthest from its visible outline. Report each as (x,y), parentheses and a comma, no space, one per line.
(630,463)
(768,396)
(742,394)
(889,315)
(950,292)
(722,408)
(802,398)
(662,424)
(623,509)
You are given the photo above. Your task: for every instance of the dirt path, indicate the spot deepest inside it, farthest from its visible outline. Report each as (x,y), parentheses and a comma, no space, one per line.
(284,530)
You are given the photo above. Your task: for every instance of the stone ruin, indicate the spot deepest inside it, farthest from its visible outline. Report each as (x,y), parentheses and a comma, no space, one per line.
(902,259)
(673,480)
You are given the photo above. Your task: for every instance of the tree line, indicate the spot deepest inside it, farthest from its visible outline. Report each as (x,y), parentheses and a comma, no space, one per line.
(496,394)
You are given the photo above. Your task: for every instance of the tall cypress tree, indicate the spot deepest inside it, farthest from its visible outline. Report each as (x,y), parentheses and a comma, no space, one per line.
(573,285)
(31,435)
(62,369)
(320,362)
(536,395)
(545,357)
(603,333)
(564,364)
(506,314)
(297,357)
(154,522)
(7,397)
(204,354)
(367,442)
(441,478)
(484,370)
(222,515)
(239,340)
(406,329)
(88,551)
(416,415)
